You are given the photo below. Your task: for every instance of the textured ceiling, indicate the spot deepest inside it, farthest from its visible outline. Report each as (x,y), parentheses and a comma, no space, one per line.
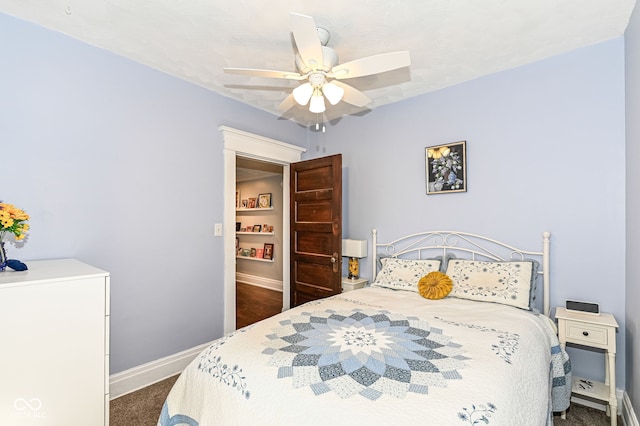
(449,41)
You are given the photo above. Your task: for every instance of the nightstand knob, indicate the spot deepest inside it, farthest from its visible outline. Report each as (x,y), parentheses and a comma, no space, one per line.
(585,333)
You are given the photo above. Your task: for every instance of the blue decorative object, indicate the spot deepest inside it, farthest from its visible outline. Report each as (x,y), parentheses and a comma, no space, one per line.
(16,265)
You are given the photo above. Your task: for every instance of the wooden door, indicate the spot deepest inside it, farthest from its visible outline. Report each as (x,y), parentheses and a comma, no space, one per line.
(316,229)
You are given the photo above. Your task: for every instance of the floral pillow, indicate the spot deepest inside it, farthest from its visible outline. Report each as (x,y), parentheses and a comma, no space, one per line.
(404,274)
(508,283)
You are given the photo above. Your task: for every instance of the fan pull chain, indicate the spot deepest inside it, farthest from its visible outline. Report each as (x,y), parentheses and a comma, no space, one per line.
(324,129)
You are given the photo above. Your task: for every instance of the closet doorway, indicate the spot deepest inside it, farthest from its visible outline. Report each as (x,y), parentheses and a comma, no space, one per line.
(239,144)
(259,236)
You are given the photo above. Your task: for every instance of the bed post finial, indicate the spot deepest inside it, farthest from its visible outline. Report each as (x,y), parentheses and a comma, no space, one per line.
(546,237)
(374,261)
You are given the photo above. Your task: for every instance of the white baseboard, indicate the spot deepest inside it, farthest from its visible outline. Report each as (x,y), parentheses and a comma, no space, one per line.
(628,414)
(259,281)
(152,372)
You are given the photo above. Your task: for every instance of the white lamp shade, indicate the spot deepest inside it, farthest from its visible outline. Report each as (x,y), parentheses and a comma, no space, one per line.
(303,93)
(354,248)
(317,103)
(333,93)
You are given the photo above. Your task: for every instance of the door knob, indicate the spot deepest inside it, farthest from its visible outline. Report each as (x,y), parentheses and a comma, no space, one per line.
(334,260)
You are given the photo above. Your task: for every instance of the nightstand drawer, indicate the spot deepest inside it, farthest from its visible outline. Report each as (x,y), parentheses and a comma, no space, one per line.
(586,333)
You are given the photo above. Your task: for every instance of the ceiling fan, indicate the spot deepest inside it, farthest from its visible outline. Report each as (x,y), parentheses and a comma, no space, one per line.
(317,65)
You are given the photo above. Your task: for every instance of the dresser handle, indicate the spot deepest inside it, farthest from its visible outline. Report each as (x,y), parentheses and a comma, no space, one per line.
(585,333)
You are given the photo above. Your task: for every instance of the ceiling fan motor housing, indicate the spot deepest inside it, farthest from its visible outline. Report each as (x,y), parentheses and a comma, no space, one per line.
(329,60)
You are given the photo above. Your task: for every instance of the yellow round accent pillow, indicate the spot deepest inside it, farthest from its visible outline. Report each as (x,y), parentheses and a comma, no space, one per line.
(435,285)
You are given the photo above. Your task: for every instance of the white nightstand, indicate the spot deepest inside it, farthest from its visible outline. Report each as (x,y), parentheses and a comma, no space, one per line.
(349,284)
(594,331)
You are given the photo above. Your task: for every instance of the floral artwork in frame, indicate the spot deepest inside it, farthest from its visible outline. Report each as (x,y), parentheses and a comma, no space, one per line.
(446,168)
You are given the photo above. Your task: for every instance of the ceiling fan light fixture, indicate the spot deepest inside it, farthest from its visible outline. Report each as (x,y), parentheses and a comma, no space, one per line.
(303,93)
(317,103)
(333,93)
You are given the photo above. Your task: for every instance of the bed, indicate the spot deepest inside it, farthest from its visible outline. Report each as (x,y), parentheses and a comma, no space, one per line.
(396,352)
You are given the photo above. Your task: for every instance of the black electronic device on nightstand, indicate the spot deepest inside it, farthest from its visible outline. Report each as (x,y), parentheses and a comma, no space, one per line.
(583,307)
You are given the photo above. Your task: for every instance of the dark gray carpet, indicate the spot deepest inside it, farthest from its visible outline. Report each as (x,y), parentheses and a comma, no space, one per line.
(142,408)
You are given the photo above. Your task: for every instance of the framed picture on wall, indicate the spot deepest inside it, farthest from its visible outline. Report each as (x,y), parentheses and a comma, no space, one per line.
(446,168)
(268,251)
(264,200)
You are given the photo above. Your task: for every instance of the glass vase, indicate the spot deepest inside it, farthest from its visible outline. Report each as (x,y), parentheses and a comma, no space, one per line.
(3,257)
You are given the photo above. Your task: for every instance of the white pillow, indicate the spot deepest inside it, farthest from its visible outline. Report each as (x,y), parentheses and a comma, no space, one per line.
(404,274)
(508,283)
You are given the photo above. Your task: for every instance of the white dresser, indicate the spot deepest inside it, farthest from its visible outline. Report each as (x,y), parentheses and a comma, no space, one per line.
(54,344)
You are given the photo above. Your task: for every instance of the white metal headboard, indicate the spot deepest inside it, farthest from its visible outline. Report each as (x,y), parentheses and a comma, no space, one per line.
(472,246)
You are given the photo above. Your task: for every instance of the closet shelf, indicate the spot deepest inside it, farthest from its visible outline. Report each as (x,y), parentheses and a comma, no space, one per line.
(255,233)
(257,209)
(255,259)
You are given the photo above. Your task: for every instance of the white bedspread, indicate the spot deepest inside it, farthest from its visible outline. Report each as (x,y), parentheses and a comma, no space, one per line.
(375,356)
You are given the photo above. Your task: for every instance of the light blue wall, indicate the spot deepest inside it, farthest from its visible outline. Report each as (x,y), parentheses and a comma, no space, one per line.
(121,166)
(545,151)
(632,332)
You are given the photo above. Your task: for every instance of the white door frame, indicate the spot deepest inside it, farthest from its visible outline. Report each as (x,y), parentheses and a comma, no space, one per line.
(244,144)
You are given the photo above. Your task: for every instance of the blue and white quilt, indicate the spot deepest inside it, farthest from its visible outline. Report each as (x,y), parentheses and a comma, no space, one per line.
(379,356)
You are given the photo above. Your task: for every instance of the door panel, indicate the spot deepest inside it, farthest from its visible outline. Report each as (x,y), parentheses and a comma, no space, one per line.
(314,242)
(315,211)
(316,228)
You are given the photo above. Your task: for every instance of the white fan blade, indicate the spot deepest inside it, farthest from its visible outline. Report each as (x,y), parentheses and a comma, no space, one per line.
(265,73)
(308,44)
(371,65)
(287,104)
(352,95)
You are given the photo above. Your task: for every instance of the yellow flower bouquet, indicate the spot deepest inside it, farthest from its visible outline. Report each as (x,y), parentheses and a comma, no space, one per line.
(12,221)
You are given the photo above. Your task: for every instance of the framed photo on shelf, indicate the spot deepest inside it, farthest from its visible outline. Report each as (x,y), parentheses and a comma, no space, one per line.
(237,200)
(446,168)
(268,251)
(259,253)
(265,228)
(252,203)
(257,228)
(238,226)
(244,204)
(253,252)
(264,200)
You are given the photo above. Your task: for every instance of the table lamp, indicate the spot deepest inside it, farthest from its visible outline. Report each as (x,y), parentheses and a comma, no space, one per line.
(354,250)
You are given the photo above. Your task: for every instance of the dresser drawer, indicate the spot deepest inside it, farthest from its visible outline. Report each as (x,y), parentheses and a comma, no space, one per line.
(590,334)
